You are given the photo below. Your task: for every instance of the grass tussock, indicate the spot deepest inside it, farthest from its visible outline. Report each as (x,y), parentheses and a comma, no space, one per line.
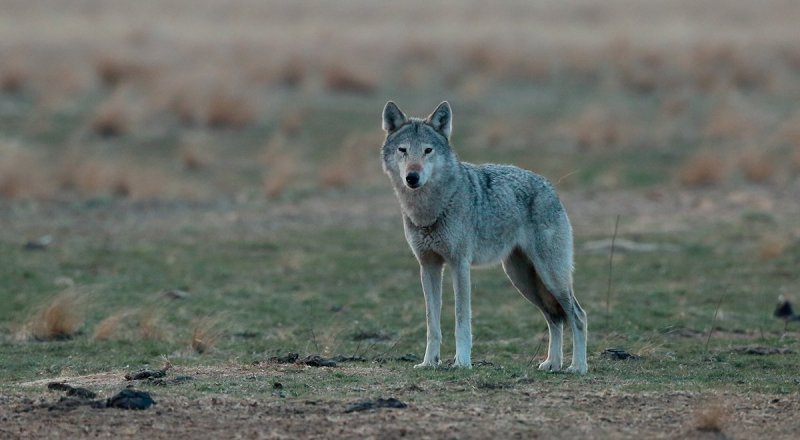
(293,73)
(350,163)
(149,323)
(229,111)
(61,318)
(771,247)
(110,326)
(703,169)
(796,159)
(711,418)
(726,123)
(281,167)
(13,77)
(596,128)
(113,70)
(110,120)
(205,335)
(756,167)
(193,159)
(341,79)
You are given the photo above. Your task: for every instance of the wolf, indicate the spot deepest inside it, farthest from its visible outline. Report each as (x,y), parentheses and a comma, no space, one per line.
(464,215)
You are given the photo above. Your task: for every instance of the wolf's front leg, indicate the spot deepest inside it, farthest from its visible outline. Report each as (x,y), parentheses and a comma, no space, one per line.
(431,275)
(462,288)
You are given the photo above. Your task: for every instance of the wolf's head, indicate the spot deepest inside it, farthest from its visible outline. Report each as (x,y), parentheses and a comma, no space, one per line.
(415,149)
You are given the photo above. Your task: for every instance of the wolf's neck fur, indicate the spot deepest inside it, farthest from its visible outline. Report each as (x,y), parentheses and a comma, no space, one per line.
(426,205)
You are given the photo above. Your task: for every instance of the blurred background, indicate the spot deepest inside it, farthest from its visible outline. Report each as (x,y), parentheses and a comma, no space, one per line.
(254,99)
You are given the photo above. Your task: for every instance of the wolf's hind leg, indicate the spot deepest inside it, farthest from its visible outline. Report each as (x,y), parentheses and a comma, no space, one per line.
(523,276)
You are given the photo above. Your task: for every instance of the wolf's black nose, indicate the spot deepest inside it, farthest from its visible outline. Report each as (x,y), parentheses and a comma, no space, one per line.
(412,179)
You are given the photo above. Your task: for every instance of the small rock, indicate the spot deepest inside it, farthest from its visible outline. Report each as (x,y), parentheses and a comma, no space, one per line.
(146,374)
(82,393)
(39,244)
(176,294)
(317,361)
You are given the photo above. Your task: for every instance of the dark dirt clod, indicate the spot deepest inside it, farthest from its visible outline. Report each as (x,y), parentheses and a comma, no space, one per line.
(618,354)
(146,374)
(288,359)
(761,351)
(130,399)
(408,357)
(81,393)
(317,361)
(342,358)
(365,405)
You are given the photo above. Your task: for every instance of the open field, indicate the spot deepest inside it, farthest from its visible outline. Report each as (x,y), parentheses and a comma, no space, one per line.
(200,186)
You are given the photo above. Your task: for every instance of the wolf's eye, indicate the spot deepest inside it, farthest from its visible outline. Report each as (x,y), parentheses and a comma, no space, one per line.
(402,150)
(428,150)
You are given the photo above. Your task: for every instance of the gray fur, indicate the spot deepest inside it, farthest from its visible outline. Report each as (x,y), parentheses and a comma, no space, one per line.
(467,215)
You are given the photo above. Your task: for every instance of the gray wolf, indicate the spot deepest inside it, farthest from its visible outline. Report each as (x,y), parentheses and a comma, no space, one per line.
(465,215)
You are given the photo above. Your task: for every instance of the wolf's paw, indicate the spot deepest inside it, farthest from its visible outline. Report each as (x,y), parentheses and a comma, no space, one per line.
(462,363)
(578,369)
(427,364)
(549,365)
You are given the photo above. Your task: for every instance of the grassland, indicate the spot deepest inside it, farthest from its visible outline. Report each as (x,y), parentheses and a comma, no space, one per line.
(212,194)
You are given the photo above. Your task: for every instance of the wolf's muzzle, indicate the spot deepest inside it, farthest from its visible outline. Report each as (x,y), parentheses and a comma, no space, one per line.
(412,179)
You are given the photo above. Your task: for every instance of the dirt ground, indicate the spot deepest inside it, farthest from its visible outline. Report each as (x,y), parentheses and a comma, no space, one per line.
(527,410)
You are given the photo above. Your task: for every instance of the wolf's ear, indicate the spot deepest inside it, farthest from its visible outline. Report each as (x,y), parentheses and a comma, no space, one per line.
(442,119)
(393,117)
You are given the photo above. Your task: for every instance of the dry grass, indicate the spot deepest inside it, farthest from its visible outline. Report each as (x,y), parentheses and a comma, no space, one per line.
(771,247)
(280,175)
(703,169)
(149,323)
(293,73)
(227,110)
(109,327)
(13,77)
(20,174)
(205,335)
(350,162)
(110,120)
(61,318)
(596,128)
(341,79)
(193,159)
(756,166)
(796,159)
(726,123)
(292,121)
(113,70)
(711,418)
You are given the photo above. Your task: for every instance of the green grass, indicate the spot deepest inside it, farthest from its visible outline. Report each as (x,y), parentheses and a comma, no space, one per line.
(313,291)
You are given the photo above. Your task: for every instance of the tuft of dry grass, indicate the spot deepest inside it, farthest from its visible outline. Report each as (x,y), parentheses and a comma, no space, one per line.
(21,174)
(711,418)
(293,73)
(61,318)
(341,79)
(193,159)
(110,120)
(281,166)
(113,70)
(292,121)
(350,162)
(596,128)
(205,335)
(226,110)
(727,123)
(703,169)
(771,247)
(796,159)
(148,323)
(109,326)
(13,77)
(757,167)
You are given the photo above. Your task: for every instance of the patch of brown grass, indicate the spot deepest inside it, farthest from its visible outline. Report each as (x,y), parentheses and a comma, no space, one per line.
(756,167)
(112,70)
(349,164)
(597,128)
(193,159)
(711,418)
(229,111)
(148,323)
(280,174)
(21,174)
(771,247)
(796,159)
(109,326)
(205,335)
(292,121)
(727,123)
(13,77)
(110,120)
(61,318)
(293,73)
(703,169)
(184,107)
(342,79)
